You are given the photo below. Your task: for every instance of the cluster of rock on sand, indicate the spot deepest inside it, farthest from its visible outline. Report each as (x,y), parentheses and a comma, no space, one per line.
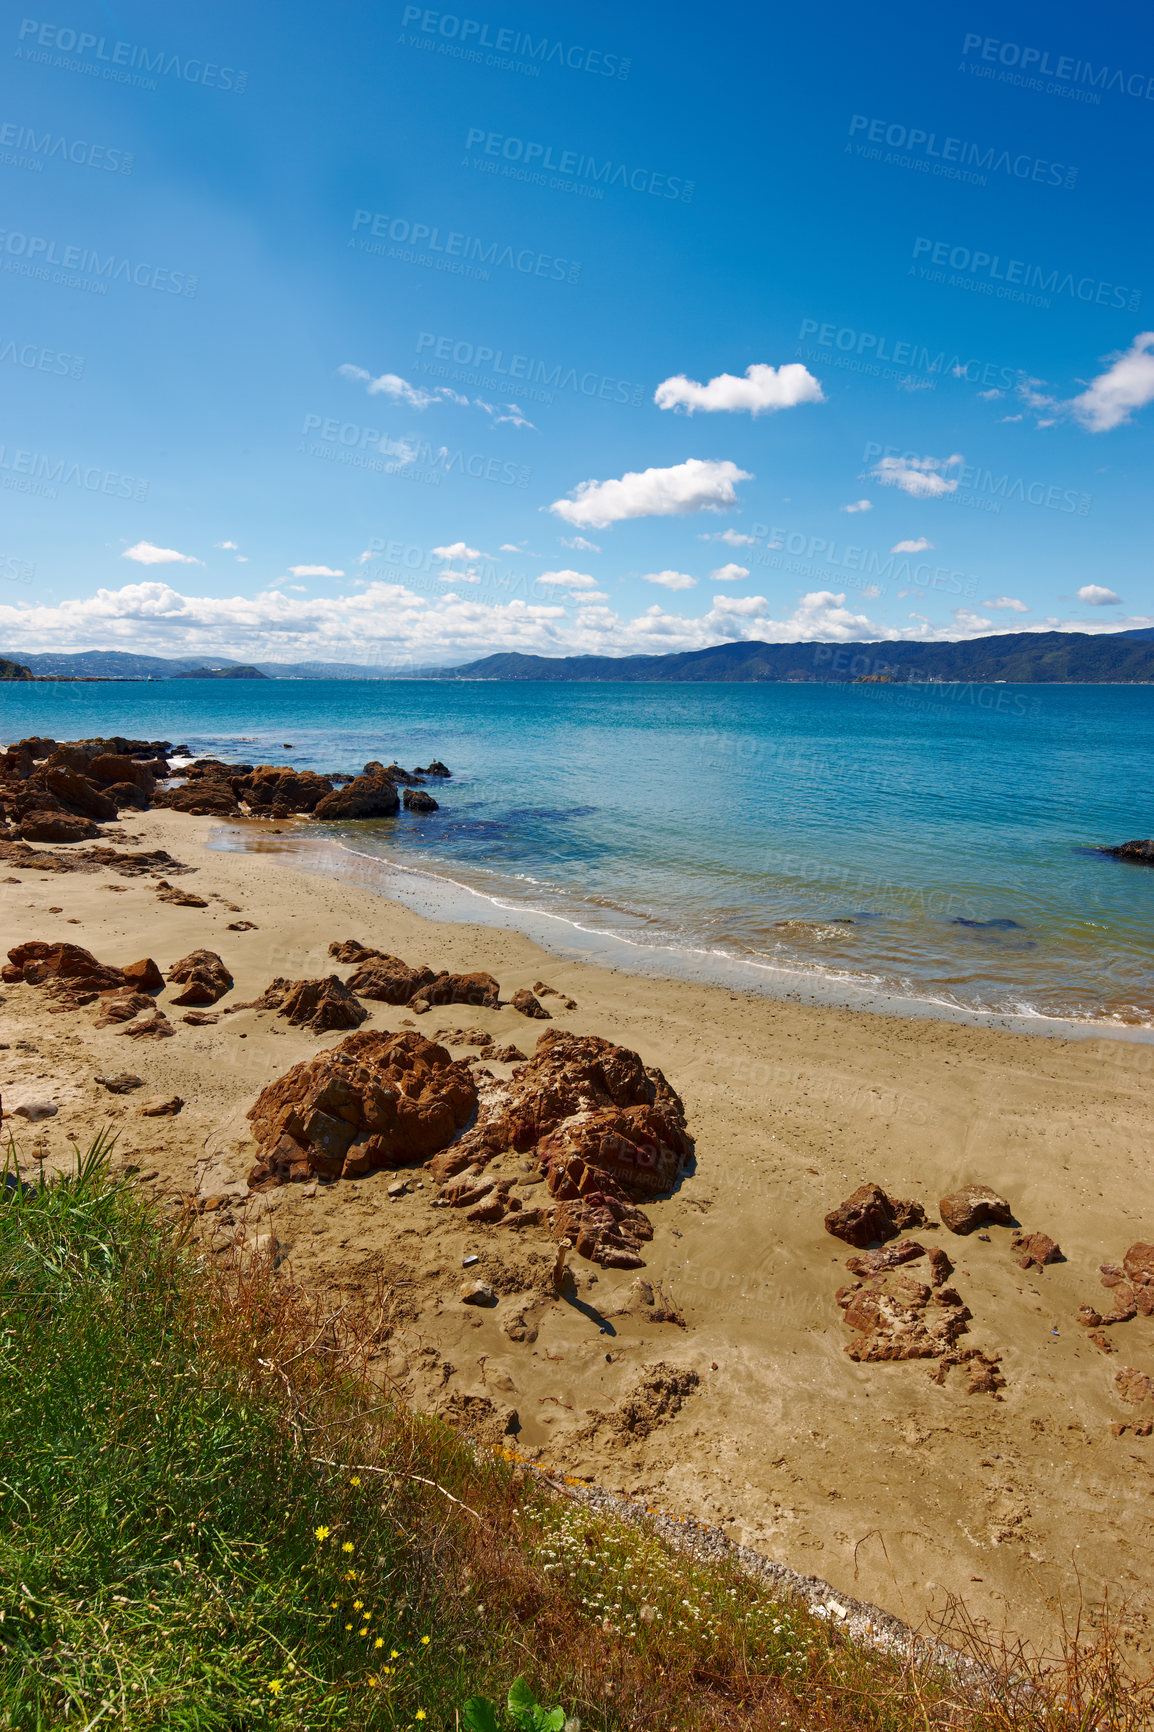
(895,1315)
(53,791)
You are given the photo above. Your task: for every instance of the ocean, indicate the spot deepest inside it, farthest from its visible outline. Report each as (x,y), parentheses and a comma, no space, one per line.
(924,848)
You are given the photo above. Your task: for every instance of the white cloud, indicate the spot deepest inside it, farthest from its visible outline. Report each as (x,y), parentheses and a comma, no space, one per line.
(568,580)
(451,576)
(761,390)
(986,396)
(227,546)
(1007,601)
(1096,596)
(696,485)
(729,574)
(971,621)
(512,547)
(859,505)
(387,626)
(457,550)
(921,545)
(417,397)
(1127,384)
(671,579)
(298,588)
(731,537)
(314,571)
(920,477)
(144,553)
(579,544)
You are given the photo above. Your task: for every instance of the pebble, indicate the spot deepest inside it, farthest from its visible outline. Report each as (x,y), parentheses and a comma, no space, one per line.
(119,1082)
(478,1293)
(33,1111)
(467,1262)
(398,1188)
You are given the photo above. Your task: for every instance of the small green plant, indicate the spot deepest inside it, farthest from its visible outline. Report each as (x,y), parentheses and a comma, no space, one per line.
(526,1714)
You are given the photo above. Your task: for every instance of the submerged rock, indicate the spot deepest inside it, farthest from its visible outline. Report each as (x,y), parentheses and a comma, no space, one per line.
(1142,853)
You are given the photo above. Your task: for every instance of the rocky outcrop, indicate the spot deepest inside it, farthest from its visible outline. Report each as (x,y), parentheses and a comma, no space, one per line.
(606,1131)
(899,1317)
(974,1206)
(316,1004)
(416,800)
(870,1217)
(70,974)
(524,1001)
(40,825)
(1035,1250)
(364,797)
(1141,853)
(479,989)
(436,768)
(123,1007)
(388,980)
(203,975)
(376,1100)
(167,892)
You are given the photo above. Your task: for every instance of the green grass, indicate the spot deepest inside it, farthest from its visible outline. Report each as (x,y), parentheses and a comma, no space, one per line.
(211,1517)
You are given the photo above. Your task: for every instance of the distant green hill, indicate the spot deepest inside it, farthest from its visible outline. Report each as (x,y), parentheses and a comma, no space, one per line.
(14,670)
(244,673)
(1054,657)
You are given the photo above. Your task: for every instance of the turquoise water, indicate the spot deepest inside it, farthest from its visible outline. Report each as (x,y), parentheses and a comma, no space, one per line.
(923,842)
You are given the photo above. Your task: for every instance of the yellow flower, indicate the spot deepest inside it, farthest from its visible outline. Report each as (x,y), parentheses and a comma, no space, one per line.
(420,1714)
(347,1546)
(424,1641)
(379,1643)
(364,1632)
(356,1479)
(394,1655)
(334,1604)
(321,1533)
(275,1686)
(348,1626)
(357,1604)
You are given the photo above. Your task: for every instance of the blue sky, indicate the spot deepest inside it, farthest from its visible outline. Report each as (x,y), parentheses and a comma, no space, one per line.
(398,335)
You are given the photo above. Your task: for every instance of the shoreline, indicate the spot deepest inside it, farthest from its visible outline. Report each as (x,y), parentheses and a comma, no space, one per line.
(1013,1503)
(450,899)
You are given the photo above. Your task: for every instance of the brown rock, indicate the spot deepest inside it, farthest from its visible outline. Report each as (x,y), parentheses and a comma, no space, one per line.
(636,1152)
(524,1001)
(399,1096)
(161,1106)
(364,797)
(1139,1264)
(78,794)
(1088,1317)
(122,1007)
(1035,1250)
(154,1026)
(351,950)
(68,971)
(1102,1342)
(316,1004)
(1123,1308)
(479,990)
(203,975)
(869,1216)
(887,1257)
(58,827)
(120,1082)
(386,979)
(1133,1386)
(974,1206)
(167,892)
(416,800)
(143,976)
(507,1055)
(112,767)
(242,926)
(940,1267)
(199,1018)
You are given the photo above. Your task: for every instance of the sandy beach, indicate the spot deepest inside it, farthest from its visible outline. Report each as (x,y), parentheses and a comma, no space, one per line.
(894,1488)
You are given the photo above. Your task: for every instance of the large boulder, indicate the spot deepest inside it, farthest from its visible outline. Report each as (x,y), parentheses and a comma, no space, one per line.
(316,1004)
(78,794)
(376,1100)
(203,975)
(276,791)
(364,797)
(388,980)
(869,1217)
(1141,853)
(43,825)
(416,800)
(974,1206)
(478,989)
(69,973)
(111,767)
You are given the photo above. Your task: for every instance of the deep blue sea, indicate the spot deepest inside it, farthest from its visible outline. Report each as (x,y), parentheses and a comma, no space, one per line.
(868,842)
